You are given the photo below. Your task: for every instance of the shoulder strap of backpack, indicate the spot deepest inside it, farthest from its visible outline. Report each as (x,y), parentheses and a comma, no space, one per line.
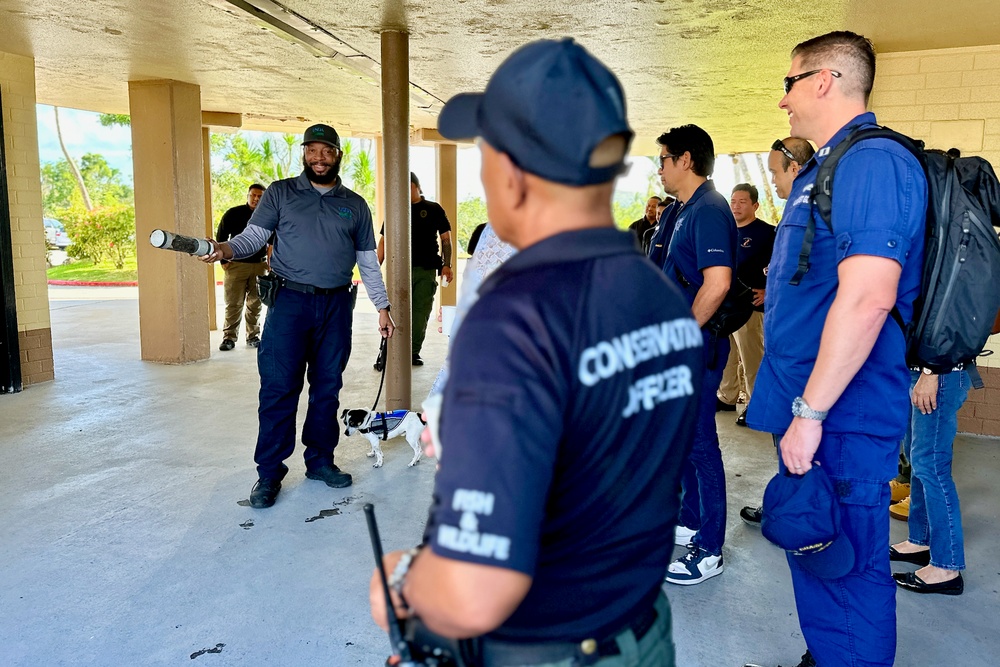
(821,195)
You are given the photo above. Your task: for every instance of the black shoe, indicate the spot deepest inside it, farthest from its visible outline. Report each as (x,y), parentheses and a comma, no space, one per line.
(227,345)
(752,515)
(722,406)
(253,342)
(917,557)
(332,475)
(417,361)
(911,582)
(264,492)
(742,419)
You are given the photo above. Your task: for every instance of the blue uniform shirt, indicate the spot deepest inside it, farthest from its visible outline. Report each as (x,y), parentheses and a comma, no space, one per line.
(879,209)
(704,235)
(565,424)
(317,235)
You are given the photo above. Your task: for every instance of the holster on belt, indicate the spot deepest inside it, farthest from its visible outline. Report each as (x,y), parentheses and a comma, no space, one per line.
(267,288)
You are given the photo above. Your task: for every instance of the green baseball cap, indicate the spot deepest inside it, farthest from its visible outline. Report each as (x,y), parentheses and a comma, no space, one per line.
(322,133)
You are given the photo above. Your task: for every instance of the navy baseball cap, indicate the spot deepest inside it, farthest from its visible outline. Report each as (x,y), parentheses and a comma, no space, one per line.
(802,516)
(322,133)
(548,106)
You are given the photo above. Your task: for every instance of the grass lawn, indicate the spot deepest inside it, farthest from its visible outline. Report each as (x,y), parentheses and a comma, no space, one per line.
(105,272)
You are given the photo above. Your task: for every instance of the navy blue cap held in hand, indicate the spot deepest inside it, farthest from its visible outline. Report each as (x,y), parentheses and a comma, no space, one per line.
(323,134)
(548,106)
(802,516)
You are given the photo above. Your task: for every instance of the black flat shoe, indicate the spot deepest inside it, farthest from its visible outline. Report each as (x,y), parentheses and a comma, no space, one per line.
(911,582)
(742,419)
(917,558)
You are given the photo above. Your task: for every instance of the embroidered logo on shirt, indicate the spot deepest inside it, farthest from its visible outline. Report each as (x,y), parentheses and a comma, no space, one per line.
(746,242)
(466,538)
(344,213)
(423,214)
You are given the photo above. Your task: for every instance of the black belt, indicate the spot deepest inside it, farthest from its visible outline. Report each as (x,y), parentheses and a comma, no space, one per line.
(499,653)
(310,289)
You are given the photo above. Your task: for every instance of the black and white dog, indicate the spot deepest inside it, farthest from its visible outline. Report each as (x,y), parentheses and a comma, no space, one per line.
(377,427)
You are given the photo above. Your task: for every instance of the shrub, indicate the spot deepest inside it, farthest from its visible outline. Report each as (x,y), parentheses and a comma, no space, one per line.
(106,233)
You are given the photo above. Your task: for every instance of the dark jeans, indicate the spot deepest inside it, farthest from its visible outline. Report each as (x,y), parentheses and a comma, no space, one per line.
(424,285)
(304,335)
(703,506)
(935,514)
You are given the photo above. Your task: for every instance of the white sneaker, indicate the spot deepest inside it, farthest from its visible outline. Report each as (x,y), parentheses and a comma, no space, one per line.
(683,535)
(694,567)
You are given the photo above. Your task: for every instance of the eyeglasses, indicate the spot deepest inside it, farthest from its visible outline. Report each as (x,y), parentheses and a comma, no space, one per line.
(779,145)
(791,80)
(660,159)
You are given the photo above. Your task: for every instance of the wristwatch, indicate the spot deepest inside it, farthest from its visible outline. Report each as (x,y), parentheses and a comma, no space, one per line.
(398,576)
(926,371)
(801,409)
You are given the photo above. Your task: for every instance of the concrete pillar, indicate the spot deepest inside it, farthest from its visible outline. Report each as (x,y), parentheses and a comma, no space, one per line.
(28,285)
(167,154)
(396,150)
(446,160)
(213,319)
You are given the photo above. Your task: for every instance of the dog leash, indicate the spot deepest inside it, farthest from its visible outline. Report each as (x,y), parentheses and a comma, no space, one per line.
(382,353)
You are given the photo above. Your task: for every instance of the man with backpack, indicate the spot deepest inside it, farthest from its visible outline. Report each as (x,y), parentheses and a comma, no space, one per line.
(832,387)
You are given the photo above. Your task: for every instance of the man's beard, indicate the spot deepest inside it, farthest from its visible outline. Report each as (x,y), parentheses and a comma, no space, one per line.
(326,179)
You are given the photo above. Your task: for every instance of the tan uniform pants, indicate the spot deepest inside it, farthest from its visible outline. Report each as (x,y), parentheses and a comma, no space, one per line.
(745,352)
(240,286)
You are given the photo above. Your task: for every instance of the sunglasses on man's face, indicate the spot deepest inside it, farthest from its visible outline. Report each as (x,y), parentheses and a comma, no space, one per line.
(663,158)
(779,145)
(791,80)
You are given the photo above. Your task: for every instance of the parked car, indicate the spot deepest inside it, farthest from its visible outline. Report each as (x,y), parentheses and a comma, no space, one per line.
(55,234)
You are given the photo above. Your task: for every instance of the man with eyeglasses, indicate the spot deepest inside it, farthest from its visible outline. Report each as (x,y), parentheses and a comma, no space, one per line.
(700,257)
(833,385)
(321,230)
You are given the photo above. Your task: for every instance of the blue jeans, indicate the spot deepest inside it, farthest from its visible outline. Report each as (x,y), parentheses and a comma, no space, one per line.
(305,335)
(935,516)
(703,506)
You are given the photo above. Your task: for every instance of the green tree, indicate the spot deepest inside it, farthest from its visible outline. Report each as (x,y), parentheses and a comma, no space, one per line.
(471,214)
(626,209)
(105,184)
(114,119)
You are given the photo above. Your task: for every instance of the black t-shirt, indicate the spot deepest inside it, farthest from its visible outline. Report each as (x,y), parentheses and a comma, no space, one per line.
(565,424)
(233,222)
(427,220)
(640,227)
(753,254)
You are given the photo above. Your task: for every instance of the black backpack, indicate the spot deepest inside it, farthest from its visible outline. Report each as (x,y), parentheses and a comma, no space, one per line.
(959,295)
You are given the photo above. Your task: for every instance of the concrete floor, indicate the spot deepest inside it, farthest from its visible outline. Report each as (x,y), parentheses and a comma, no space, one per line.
(124,542)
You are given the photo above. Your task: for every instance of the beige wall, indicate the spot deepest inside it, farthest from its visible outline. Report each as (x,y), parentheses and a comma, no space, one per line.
(950,98)
(17,82)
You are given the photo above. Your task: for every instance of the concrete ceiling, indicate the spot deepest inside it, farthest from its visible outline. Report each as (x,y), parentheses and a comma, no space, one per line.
(717,63)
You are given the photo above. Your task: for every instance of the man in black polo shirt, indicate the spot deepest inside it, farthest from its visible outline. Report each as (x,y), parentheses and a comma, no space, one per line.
(240,281)
(753,254)
(647,221)
(427,221)
(556,395)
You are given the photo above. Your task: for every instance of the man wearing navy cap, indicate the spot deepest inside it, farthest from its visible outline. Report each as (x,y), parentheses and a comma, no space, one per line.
(535,546)
(696,248)
(321,230)
(833,384)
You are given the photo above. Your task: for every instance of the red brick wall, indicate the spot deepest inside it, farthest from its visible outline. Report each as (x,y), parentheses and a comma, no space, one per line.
(981,413)
(36,356)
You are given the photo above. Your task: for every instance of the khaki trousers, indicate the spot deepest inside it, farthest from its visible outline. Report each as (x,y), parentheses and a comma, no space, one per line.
(239,287)
(745,352)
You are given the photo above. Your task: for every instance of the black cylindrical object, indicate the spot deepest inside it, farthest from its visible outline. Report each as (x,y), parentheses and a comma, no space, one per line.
(179,243)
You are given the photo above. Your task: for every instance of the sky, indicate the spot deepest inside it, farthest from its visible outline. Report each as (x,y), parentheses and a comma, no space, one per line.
(83,133)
